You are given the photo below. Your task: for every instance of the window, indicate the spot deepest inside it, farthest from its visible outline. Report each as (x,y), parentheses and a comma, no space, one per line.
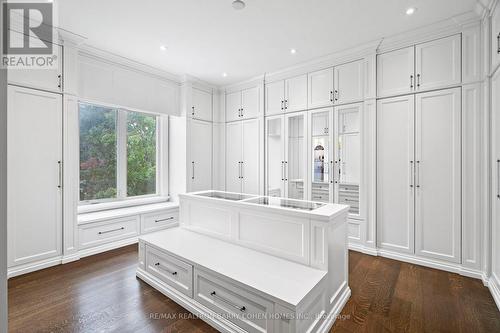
(118,154)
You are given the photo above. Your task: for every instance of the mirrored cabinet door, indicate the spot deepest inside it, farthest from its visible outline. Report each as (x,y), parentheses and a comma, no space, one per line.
(320,155)
(296,156)
(348,155)
(275,133)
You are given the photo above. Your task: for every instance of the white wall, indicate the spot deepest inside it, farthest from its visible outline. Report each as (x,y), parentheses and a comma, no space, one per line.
(3,197)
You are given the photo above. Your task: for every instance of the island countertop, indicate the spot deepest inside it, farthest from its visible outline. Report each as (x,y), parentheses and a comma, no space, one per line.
(309,209)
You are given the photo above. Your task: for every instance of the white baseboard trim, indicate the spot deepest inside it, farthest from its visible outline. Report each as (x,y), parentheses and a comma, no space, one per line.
(70,258)
(107,247)
(33,266)
(413,259)
(335,311)
(494,286)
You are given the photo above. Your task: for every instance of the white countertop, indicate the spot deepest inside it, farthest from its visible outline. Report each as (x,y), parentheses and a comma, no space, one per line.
(123,212)
(285,280)
(326,212)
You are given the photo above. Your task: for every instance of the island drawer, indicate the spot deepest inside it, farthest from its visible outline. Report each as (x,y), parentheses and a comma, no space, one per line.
(244,308)
(174,272)
(94,234)
(159,220)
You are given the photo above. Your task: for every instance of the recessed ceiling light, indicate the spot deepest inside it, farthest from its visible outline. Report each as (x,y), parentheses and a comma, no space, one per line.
(411,11)
(238,4)
(293,51)
(163,47)
(224,74)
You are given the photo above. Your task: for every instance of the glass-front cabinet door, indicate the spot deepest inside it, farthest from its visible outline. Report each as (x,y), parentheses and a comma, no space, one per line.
(275,156)
(296,186)
(321,155)
(348,155)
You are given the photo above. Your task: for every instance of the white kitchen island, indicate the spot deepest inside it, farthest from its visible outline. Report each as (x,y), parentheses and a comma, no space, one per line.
(252,264)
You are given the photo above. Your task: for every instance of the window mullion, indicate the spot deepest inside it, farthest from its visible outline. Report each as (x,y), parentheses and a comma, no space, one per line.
(121,159)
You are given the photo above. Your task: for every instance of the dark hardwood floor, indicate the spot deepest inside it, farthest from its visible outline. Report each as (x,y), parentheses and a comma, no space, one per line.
(101,294)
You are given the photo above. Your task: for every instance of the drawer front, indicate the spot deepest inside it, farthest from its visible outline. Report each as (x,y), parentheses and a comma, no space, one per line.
(172,271)
(94,234)
(245,309)
(159,220)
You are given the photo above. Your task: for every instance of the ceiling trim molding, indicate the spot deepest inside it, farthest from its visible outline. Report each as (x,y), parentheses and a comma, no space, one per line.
(99,54)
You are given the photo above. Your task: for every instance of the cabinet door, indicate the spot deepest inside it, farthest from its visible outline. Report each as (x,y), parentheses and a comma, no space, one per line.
(275,156)
(250,169)
(438,63)
(438,175)
(495,107)
(320,88)
(320,155)
(296,93)
(34,158)
(395,174)
(201,155)
(233,106)
(250,103)
(395,72)
(44,79)
(275,97)
(233,156)
(495,38)
(202,105)
(348,83)
(296,185)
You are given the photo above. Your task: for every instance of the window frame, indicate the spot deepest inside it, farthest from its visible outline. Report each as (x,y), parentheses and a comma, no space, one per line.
(122,200)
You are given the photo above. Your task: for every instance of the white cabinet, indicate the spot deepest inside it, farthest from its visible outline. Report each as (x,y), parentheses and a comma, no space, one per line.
(201,105)
(348,86)
(34,185)
(44,79)
(286,95)
(438,63)
(395,183)
(426,66)
(296,93)
(243,156)
(286,154)
(495,186)
(320,92)
(419,174)
(395,72)
(200,150)
(495,38)
(438,174)
(233,106)
(243,104)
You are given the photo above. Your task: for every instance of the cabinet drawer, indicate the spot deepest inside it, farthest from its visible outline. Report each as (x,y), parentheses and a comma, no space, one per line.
(320,186)
(159,220)
(94,234)
(174,272)
(245,309)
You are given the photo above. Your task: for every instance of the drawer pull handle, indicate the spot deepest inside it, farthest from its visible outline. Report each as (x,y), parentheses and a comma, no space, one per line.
(350,200)
(112,230)
(164,269)
(162,220)
(241,308)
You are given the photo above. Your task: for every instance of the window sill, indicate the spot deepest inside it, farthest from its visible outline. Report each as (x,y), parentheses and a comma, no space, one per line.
(111,214)
(90,208)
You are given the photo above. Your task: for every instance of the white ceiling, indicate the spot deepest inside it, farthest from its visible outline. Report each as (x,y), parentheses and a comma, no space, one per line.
(208,37)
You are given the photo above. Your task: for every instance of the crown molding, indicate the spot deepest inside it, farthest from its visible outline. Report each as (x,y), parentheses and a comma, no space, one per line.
(112,58)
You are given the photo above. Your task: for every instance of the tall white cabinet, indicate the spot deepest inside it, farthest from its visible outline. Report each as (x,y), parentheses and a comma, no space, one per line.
(243,156)
(200,155)
(419,174)
(34,185)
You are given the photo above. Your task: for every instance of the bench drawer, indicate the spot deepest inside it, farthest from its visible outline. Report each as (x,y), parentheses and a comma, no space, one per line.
(94,234)
(174,272)
(159,220)
(244,308)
